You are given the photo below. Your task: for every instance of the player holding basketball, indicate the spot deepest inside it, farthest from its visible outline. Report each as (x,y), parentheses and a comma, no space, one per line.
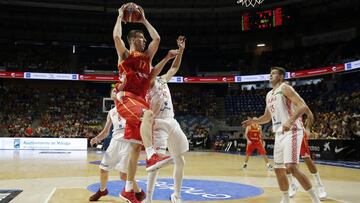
(135,75)
(116,155)
(285,107)
(167,131)
(254,139)
(305,154)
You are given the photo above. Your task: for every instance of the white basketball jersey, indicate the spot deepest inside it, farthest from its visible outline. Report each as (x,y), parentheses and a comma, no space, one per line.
(281,109)
(159,98)
(118,124)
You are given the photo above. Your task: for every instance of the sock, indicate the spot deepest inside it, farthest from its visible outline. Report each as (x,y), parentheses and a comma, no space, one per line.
(102,189)
(267,165)
(317,179)
(151,179)
(313,195)
(129,186)
(286,196)
(290,178)
(179,163)
(149,152)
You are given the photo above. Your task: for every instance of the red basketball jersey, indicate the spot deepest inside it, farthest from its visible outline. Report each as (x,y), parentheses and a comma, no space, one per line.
(254,134)
(134,73)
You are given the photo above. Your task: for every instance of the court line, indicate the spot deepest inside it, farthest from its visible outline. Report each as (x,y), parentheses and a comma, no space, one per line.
(50,195)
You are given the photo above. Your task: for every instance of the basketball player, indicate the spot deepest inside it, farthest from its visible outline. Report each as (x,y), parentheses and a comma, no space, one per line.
(305,154)
(167,131)
(254,139)
(116,155)
(285,107)
(135,75)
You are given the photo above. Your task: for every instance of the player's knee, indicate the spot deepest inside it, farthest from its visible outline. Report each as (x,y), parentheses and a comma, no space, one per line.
(179,160)
(292,168)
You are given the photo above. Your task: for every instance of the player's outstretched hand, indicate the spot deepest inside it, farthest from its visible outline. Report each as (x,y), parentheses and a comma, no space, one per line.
(181,42)
(172,53)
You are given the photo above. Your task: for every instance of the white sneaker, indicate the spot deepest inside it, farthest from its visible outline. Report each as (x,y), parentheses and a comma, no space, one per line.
(284,201)
(269,167)
(321,192)
(292,190)
(175,199)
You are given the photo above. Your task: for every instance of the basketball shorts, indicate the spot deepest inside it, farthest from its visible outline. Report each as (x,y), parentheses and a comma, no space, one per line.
(132,110)
(255,145)
(116,156)
(167,133)
(287,147)
(305,149)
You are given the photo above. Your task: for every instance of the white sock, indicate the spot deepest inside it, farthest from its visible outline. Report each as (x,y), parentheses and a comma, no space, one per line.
(179,163)
(313,195)
(129,185)
(268,164)
(102,189)
(286,196)
(317,179)
(290,178)
(151,179)
(149,152)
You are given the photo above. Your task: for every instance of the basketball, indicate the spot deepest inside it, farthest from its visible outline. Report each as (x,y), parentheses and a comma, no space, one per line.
(132,13)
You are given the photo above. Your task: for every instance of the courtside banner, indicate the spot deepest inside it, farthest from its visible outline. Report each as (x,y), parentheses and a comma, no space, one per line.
(318,71)
(216,79)
(91,77)
(50,76)
(352,65)
(44,143)
(11,75)
(176,79)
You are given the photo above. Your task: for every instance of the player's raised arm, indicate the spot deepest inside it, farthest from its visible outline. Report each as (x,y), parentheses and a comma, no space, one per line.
(301,107)
(121,50)
(176,63)
(158,68)
(154,44)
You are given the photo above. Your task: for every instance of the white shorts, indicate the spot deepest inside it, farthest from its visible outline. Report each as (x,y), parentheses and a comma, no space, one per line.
(287,147)
(116,156)
(168,133)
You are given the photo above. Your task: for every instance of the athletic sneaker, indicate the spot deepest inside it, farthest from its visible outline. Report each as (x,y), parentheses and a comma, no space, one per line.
(140,196)
(244,166)
(321,192)
(129,197)
(156,162)
(98,194)
(175,199)
(292,190)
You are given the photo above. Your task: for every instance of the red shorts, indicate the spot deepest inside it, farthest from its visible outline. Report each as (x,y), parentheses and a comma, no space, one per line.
(132,110)
(305,149)
(255,145)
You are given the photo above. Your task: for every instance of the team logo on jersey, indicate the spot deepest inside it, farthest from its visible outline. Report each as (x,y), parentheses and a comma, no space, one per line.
(192,190)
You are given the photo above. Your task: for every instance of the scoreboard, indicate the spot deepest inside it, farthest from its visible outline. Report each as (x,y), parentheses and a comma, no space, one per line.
(264,19)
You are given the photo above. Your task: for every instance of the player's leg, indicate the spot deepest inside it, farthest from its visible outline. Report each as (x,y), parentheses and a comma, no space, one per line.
(128,193)
(153,161)
(292,154)
(249,151)
(279,168)
(109,161)
(261,150)
(178,146)
(293,187)
(314,172)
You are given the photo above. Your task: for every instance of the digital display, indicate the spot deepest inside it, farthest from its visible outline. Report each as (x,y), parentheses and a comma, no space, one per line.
(264,19)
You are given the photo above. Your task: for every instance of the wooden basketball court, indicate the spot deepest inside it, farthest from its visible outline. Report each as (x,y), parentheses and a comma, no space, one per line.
(62,176)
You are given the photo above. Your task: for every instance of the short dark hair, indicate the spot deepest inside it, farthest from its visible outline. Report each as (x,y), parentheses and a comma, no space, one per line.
(281,70)
(132,34)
